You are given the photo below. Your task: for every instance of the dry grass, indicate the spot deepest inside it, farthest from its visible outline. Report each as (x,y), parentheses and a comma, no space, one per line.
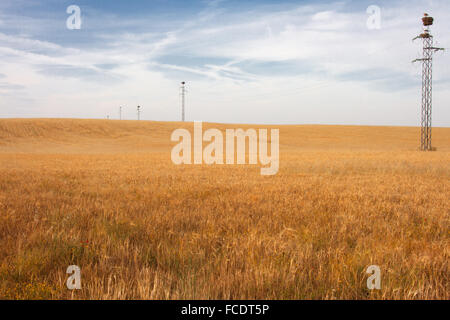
(105,196)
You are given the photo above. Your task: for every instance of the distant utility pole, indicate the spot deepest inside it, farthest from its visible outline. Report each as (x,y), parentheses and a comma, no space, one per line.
(183,96)
(139,112)
(427,79)
(120,113)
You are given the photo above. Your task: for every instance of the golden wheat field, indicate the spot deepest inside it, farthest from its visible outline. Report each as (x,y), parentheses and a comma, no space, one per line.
(104,195)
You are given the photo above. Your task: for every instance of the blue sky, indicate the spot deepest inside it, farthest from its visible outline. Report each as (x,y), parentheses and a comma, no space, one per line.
(244,61)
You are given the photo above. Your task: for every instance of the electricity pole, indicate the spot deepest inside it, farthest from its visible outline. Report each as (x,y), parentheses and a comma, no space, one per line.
(183,96)
(139,112)
(427,81)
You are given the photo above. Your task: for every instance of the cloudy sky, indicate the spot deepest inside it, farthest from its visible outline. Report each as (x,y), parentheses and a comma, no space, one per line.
(244,61)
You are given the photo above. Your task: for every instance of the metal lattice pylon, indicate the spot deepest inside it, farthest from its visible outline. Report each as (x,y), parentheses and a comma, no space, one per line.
(427,81)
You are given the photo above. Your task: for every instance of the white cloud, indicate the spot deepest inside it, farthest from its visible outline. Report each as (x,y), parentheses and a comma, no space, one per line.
(337,70)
